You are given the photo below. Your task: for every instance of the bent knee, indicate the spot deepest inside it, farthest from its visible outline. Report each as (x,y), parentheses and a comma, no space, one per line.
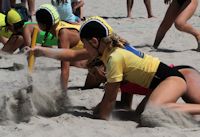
(180,25)
(180,83)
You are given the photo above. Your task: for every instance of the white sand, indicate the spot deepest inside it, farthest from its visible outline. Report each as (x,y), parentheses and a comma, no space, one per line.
(46,113)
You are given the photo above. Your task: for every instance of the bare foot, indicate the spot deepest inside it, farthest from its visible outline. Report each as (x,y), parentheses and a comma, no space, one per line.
(129,15)
(151,16)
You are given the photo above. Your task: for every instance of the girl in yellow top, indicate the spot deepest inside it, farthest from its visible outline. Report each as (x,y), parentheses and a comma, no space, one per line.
(66,33)
(167,84)
(135,71)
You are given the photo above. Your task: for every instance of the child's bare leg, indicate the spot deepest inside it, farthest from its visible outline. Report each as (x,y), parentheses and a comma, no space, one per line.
(125,102)
(23,2)
(81,9)
(192,95)
(13,44)
(31,7)
(141,106)
(193,85)
(4,6)
(168,92)
(148,7)
(193,109)
(81,12)
(181,24)
(170,17)
(12,2)
(1,5)
(129,7)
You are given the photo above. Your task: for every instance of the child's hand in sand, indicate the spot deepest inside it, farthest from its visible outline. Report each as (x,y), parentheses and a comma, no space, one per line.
(96,112)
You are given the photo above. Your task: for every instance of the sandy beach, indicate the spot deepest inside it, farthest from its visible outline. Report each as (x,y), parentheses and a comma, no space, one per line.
(36,108)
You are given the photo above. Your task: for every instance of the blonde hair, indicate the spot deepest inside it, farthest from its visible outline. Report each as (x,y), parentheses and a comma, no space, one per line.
(114,40)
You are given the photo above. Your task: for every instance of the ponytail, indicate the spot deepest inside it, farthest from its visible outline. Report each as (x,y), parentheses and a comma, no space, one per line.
(114,40)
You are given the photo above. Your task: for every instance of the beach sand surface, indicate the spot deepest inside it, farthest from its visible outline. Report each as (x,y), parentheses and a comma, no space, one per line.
(32,105)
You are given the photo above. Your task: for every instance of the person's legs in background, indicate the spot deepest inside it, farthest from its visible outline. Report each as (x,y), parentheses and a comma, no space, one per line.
(129,7)
(147,4)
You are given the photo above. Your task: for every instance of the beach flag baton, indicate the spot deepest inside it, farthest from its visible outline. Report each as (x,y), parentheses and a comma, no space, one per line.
(31,60)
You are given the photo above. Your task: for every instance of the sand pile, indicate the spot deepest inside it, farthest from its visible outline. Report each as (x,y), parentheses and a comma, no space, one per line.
(162,117)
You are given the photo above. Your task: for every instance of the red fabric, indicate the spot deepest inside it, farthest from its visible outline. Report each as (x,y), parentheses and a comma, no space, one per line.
(134,89)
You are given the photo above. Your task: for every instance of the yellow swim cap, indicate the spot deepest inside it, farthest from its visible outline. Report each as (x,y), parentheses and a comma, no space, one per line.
(13,17)
(2,20)
(47,14)
(95,27)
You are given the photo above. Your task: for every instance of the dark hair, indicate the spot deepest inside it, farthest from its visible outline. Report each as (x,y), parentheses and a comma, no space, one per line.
(93,29)
(18,25)
(44,17)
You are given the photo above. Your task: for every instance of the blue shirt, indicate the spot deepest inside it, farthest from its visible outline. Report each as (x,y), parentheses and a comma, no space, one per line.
(65,11)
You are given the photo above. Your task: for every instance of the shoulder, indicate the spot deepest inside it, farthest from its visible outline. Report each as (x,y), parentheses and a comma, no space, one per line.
(116,56)
(63,33)
(68,34)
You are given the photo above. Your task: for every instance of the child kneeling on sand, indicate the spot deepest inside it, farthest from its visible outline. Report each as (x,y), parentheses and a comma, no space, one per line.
(132,71)
(125,66)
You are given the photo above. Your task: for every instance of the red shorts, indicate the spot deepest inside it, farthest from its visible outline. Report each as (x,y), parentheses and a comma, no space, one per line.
(134,89)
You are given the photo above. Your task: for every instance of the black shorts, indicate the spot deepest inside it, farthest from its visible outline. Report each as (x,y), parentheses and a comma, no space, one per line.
(181,2)
(183,67)
(164,72)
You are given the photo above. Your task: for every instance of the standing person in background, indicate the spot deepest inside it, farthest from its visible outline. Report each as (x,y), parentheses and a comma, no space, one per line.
(77,7)
(31,5)
(64,8)
(147,5)
(4,6)
(178,13)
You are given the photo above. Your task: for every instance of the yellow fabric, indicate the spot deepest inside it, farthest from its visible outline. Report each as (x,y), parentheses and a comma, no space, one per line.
(66,25)
(3,31)
(13,17)
(78,46)
(52,10)
(124,65)
(2,20)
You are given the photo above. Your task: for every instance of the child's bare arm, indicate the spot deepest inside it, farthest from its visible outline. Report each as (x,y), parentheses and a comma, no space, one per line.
(105,107)
(60,54)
